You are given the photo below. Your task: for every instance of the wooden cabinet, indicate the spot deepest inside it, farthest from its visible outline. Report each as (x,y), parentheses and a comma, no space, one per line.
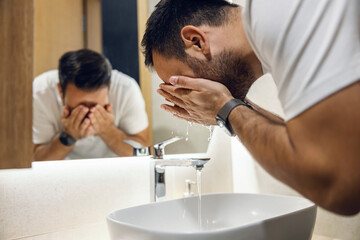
(16,74)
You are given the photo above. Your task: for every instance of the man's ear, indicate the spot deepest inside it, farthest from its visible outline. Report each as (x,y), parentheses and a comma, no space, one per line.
(60,91)
(195,41)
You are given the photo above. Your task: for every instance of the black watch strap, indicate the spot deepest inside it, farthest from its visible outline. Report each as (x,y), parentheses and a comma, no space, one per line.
(225,111)
(66,139)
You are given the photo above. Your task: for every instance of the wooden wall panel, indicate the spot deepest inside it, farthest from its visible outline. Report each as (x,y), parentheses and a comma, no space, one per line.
(93,36)
(16,72)
(58,29)
(144,72)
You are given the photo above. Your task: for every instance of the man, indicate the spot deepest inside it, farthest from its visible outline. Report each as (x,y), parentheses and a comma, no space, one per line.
(86,110)
(209,53)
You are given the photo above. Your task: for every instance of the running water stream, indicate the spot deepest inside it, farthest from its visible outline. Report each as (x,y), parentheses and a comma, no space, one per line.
(198,176)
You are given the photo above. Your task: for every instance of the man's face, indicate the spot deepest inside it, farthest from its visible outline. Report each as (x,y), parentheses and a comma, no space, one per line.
(74,97)
(227,67)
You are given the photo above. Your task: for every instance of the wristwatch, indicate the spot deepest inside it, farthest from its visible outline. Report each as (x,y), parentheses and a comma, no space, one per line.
(222,118)
(66,139)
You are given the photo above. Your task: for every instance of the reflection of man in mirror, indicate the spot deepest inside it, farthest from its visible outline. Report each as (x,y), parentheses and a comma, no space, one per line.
(209,53)
(86,110)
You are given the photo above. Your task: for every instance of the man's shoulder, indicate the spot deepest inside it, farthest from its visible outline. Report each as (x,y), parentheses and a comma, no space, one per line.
(119,79)
(46,81)
(122,85)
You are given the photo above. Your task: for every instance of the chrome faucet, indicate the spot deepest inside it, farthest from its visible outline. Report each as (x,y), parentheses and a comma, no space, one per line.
(159,163)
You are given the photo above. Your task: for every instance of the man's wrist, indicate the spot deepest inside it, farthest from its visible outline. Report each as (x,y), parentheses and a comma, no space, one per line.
(66,139)
(234,118)
(222,118)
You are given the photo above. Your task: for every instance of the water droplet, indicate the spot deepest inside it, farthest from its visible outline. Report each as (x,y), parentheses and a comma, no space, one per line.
(211,129)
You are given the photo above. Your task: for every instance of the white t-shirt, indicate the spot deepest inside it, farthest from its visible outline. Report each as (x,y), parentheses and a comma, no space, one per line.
(311,47)
(127,104)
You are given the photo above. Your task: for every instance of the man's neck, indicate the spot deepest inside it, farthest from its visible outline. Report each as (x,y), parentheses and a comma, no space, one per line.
(244,45)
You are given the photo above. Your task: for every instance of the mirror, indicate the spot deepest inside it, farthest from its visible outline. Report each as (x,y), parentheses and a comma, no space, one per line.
(109,27)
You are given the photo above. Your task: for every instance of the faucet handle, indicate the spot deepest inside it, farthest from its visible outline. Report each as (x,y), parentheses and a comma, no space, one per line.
(160,147)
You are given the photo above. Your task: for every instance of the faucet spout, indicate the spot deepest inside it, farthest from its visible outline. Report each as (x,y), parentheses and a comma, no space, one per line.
(182,162)
(159,148)
(158,183)
(159,162)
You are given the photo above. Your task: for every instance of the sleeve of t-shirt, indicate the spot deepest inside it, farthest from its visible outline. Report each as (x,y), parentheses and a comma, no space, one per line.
(134,118)
(43,127)
(311,48)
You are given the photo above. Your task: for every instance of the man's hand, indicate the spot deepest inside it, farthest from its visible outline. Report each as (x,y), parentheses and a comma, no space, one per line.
(195,100)
(74,123)
(102,119)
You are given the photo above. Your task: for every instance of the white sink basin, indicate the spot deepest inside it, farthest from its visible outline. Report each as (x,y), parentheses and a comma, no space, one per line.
(223,217)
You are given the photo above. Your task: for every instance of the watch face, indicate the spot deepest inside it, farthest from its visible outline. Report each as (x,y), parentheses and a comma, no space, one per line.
(222,124)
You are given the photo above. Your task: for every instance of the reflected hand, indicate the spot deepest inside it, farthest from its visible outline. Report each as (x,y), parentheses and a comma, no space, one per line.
(102,119)
(74,123)
(195,99)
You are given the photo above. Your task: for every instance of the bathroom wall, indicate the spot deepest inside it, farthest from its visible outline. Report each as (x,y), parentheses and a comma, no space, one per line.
(69,199)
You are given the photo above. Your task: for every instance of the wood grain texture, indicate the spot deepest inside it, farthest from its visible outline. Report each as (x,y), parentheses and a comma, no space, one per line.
(16,72)
(58,29)
(93,36)
(144,72)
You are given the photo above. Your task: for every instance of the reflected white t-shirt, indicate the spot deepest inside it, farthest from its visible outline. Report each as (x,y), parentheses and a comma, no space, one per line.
(127,104)
(311,47)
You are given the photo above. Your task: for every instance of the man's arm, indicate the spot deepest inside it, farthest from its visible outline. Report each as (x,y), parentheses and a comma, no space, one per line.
(316,153)
(114,139)
(74,125)
(53,150)
(102,120)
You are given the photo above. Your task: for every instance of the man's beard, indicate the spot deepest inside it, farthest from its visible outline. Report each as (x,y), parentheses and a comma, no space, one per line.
(228,68)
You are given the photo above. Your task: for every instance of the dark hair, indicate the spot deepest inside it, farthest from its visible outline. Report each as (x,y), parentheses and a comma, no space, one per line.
(164,26)
(87,69)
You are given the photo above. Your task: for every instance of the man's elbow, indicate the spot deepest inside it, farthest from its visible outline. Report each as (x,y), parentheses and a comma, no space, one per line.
(342,198)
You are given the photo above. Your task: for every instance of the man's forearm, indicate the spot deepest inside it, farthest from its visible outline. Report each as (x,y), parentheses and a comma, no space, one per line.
(114,139)
(270,116)
(53,150)
(271,145)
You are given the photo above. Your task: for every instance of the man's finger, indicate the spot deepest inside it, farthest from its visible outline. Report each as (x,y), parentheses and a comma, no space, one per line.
(84,127)
(175,110)
(179,93)
(188,83)
(80,116)
(100,112)
(93,119)
(186,119)
(171,98)
(73,115)
(89,131)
